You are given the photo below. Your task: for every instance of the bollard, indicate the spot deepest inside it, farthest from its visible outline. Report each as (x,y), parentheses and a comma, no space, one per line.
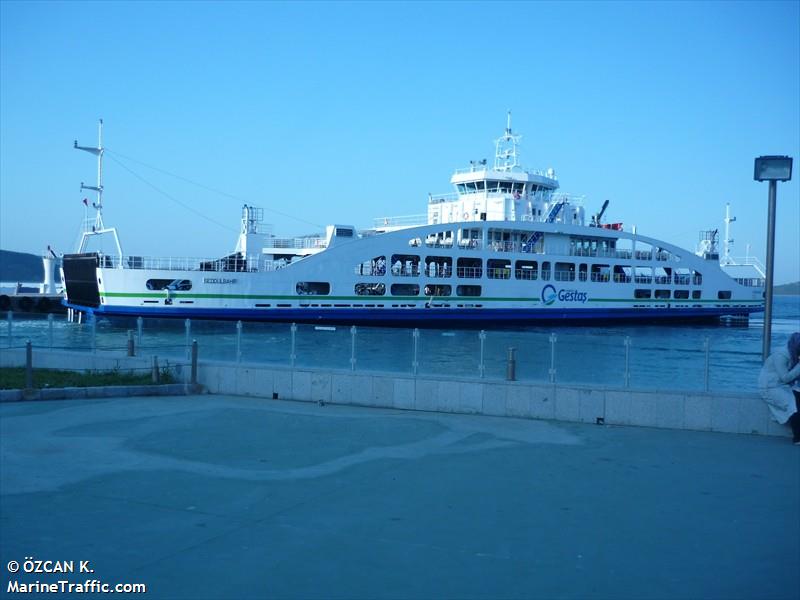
(511,365)
(156,374)
(193,379)
(28,365)
(130,343)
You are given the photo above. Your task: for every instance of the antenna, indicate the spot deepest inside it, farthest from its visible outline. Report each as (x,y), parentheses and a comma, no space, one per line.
(505,156)
(726,243)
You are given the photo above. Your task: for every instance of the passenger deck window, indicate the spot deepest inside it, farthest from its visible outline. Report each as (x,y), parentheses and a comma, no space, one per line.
(724,295)
(313,288)
(405,289)
(468,290)
(370,289)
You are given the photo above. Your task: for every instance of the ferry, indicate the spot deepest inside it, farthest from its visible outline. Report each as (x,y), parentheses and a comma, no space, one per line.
(505,248)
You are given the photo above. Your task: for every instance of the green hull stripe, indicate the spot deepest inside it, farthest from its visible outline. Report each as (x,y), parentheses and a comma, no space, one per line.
(373,299)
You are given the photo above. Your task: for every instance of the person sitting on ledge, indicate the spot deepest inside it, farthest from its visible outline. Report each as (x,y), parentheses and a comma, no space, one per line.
(779,385)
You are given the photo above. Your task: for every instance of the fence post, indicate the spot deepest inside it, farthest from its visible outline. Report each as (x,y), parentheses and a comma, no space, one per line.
(511,365)
(139,327)
(156,374)
(238,341)
(10,319)
(553,339)
(482,366)
(50,329)
(193,378)
(28,365)
(353,348)
(627,361)
(415,362)
(293,356)
(187,324)
(130,343)
(706,346)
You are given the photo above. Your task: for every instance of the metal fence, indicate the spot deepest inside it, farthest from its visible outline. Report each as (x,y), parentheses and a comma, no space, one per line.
(596,357)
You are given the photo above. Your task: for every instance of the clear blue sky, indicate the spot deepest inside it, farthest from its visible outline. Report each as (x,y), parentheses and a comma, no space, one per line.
(341,112)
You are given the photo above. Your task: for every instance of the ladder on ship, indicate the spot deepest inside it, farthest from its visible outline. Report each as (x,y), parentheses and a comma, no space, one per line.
(536,235)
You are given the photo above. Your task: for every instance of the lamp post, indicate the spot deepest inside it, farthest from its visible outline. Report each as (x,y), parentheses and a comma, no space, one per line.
(772,169)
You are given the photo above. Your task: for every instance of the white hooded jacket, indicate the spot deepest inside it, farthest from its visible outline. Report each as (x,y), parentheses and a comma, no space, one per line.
(775,381)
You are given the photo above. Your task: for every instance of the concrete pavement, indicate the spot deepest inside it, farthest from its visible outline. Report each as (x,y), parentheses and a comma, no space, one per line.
(230,497)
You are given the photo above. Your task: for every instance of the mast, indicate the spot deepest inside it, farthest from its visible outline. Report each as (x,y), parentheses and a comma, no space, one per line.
(98,152)
(98,227)
(726,243)
(506,156)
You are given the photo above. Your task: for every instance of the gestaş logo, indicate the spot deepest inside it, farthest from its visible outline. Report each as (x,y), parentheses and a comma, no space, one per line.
(550,295)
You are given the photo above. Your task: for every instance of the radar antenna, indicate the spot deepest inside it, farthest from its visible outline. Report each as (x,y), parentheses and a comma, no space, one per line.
(506,155)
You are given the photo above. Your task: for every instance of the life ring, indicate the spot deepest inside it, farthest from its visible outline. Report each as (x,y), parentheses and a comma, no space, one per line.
(43,305)
(5,302)
(25,304)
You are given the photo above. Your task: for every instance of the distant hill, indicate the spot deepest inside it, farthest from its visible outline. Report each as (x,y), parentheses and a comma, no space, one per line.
(789,289)
(22,267)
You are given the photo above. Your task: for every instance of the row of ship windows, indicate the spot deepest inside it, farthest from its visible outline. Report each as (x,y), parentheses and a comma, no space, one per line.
(413,289)
(323,288)
(411,265)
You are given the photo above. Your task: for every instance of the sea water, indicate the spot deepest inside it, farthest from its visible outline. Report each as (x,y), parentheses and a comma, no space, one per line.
(716,356)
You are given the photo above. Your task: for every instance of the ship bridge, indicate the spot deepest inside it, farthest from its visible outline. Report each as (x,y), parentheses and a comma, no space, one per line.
(504,191)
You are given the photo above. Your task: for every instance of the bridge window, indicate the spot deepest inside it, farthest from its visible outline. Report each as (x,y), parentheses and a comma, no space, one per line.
(313,288)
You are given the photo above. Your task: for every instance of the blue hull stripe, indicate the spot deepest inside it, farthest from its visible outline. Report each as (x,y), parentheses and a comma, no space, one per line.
(429,317)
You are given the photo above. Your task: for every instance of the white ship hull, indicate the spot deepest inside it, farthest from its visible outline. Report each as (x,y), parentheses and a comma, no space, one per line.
(358,282)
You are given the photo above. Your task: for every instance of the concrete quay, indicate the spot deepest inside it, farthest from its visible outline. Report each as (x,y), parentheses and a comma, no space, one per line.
(217,496)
